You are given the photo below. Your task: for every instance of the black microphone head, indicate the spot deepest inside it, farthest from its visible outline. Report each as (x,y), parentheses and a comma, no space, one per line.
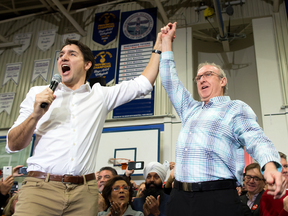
(57,78)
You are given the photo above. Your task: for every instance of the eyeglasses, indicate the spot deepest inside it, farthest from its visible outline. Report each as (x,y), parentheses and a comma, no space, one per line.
(206,74)
(124,187)
(255,178)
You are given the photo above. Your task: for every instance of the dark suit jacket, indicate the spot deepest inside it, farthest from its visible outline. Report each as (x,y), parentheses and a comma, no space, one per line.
(256,211)
(139,202)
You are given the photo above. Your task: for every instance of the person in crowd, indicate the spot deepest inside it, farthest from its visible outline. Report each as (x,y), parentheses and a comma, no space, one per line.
(68,125)
(6,185)
(10,207)
(105,174)
(140,190)
(255,188)
(154,200)
(276,207)
(117,194)
(210,146)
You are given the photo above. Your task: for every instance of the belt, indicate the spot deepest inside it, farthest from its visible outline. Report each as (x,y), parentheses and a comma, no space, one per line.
(205,186)
(67,179)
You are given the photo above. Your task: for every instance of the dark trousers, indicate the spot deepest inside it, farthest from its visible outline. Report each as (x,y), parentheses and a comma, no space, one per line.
(205,203)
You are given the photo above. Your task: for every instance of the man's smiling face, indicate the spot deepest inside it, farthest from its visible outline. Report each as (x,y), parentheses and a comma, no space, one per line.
(211,86)
(72,67)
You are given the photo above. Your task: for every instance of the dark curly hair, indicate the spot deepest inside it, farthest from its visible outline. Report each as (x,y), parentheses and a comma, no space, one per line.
(86,52)
(106,193)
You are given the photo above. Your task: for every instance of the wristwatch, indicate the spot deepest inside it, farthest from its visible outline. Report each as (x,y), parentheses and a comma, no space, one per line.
(157,51)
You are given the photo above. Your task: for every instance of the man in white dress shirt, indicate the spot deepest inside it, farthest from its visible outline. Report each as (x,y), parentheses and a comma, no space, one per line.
(61,178)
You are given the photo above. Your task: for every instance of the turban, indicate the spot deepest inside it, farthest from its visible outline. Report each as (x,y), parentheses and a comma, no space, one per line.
(156,167)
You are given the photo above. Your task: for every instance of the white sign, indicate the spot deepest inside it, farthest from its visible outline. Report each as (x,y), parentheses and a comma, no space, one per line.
(72,36)
(41,68)
(6,101)
(24,39)
(12,72)
(46,39)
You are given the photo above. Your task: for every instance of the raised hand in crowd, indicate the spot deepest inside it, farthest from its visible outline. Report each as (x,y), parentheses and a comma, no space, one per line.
(6,185)
(117,209)
(151,206)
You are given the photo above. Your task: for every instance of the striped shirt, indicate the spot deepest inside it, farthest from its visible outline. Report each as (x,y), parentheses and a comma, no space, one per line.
(211,142)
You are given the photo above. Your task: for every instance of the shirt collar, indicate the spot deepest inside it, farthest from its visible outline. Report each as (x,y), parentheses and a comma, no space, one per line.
(83,88)
(216,100)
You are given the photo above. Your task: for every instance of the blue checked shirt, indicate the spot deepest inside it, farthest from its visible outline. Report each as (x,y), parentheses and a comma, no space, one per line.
(211,142)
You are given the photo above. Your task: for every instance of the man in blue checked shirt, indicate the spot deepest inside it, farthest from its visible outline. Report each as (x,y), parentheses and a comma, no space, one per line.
(210,147)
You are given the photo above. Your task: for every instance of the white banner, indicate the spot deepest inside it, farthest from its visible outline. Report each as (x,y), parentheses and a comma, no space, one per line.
(12,72)
(41,68)
(6,101)
(46,39)
(24,39)
(72,36)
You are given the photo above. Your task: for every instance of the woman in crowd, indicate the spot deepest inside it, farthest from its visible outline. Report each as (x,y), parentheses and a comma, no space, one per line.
(10,207)
(117,194)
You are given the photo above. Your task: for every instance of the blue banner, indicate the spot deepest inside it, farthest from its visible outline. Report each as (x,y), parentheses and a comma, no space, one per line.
(105,61)
(136,40)
(106,27)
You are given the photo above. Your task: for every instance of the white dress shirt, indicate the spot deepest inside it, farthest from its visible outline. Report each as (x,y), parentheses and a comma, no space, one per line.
(68,134)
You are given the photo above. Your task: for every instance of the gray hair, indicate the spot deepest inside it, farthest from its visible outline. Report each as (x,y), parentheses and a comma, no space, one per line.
(222,73)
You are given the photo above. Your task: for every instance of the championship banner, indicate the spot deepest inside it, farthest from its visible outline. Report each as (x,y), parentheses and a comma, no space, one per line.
(72,36)
(41,68)
(105,64)
(106,27)
(6,101)
(12,71)
(136,40)
(46,39)
(24,39)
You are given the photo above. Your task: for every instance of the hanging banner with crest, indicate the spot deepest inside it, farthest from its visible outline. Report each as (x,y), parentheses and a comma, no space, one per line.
(46,39)
(106,27)
(136,40)
(41,68)
(12,72)
(6,101)
(24,39)
(105,63)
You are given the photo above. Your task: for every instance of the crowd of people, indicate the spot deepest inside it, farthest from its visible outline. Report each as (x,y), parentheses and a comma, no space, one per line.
(119,195)
(209,157)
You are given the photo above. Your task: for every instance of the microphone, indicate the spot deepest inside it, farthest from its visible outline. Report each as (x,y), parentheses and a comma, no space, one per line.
(53,85)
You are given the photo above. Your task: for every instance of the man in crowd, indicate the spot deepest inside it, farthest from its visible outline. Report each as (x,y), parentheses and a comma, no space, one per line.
(276,207)
(105,174)
(210,147)
(255,188)
(154,199)
(61,179)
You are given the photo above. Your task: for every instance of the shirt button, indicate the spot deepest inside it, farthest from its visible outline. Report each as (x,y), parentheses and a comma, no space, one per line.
(190,133)
(73,93)
(72,104)
(73,130)
(72,159)
(73,116)
(186,149)
(74,144)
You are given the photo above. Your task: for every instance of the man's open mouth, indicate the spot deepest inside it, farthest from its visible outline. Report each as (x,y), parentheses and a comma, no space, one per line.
(65,68)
